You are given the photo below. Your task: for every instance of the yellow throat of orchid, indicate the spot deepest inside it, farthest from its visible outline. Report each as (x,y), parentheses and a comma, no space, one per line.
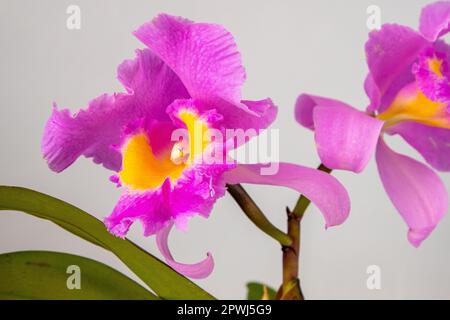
(435,65)
(142,169)
(411,104)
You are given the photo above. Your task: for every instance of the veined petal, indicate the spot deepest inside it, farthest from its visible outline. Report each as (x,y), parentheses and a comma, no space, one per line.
(206,59)
(92,132)
(415,190)
(431,142)
(153,84)
(198,270)
(345,137)
(390,53)
(322,189)
(203,55)
(435,20)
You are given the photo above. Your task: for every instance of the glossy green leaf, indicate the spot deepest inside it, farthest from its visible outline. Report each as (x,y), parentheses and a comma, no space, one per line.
(255,291)
(162,279)
(54,275)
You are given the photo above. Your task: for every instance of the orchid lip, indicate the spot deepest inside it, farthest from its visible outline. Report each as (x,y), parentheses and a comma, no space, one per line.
(142,168)
(432,74)
(411,104)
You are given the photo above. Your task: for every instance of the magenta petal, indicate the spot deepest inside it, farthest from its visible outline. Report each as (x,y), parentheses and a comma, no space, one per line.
(96,131)
(345,137)
(203,55)
(432,142)
(253,115)
(434,85)
(151,208)
(153,84)
(198,270)
(305,105)
(390,53)
(195,193)
(435,20)
(92,132)
(373,92)
(415,190)
(322,189)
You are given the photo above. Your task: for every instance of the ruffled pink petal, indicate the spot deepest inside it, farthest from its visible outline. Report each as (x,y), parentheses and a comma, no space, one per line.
(198,270)
(203,55)
(198,191)
(206,59)
(390,53)
(431,142)
(151,208)
(436,86)
(96,131)
(414,189)
(345,137)
(92,132)
(322,189)
(435,20)
(195,193)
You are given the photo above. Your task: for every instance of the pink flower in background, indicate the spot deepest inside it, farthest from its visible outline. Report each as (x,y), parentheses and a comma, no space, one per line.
(190,78)
(409,90)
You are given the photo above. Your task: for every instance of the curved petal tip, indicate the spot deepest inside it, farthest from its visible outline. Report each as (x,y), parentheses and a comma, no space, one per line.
(415,190)
(198,270)
(416,237)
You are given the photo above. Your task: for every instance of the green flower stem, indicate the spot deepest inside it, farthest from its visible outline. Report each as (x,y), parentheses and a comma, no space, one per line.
(255,214)
(291,289)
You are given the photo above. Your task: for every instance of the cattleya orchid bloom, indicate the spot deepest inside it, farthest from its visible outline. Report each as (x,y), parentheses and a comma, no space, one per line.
(409,90)
(189,78)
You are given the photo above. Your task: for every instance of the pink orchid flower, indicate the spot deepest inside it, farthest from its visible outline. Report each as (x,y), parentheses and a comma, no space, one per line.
(190,78)
(409,90)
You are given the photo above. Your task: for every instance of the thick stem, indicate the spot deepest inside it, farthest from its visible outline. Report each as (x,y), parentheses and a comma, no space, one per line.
(254,213)
(291,289)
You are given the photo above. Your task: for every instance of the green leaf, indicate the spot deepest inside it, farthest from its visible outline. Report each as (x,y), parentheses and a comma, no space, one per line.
(162,279)
(53,275)
(255,291)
